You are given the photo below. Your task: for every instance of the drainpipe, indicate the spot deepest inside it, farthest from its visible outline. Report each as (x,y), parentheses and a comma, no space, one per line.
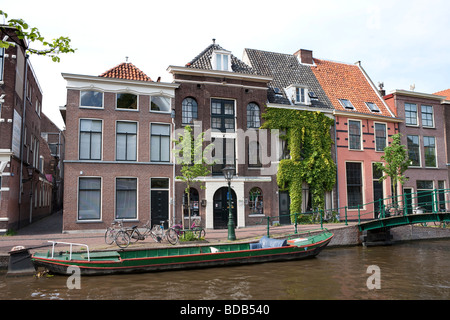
(22,136)
(172,115)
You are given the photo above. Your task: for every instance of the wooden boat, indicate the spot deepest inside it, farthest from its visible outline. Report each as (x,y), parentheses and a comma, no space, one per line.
(181,257)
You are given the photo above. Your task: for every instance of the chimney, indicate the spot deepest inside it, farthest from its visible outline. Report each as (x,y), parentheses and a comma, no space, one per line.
(305,56)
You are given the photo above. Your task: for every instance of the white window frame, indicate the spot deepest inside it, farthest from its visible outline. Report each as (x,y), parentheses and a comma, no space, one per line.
(217,56)
(93,107)
(432,116)
(101,198)
(385,135)
(360,135)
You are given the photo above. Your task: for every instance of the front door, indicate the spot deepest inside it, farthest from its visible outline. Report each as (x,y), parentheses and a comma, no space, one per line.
(220,203)
(284,203)
(159,207)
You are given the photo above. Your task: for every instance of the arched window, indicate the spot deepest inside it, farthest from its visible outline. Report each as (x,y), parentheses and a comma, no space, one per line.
(255,201)
(189,111)
(253,116)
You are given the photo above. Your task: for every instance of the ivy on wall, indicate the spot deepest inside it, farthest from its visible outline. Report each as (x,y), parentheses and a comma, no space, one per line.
(309,142)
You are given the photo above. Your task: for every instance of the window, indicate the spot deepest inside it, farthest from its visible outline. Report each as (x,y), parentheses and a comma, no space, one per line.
(189,111)
(254,158)
(89,198)
(425,197)
(411,114)
(126,198)
(427,116)
(223,154)
(441,195)
(354,134)
(413,150)
(126,141)
(253,116)
(91,99)
(300,95)
(354,185)
(221,61)
(160,143)
(126,101)
(255,201)
(380,136)
(222,115)
(429,146)
(372,107)
(378,192)
(160,103)
(346,104)
(90,139)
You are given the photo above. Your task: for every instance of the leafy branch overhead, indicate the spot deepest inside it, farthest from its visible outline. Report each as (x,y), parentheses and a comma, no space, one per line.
(32,39)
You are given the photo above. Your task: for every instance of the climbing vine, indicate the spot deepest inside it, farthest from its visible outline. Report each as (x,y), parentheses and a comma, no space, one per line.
(308,140)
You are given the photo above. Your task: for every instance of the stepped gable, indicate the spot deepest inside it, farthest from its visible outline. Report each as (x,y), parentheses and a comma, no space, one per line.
(127,71)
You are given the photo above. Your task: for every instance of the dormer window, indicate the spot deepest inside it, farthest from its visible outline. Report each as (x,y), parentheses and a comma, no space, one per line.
(299,94)
(372,107)
(221,60)
(347,104)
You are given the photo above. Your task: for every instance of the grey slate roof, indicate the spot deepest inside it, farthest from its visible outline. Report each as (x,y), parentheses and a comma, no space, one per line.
(203,61)
(285,69)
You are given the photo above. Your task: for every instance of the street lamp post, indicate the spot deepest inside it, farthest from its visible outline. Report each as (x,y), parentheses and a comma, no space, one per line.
(228,173)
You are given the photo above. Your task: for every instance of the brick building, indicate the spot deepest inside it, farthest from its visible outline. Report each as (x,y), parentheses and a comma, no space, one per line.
(424,134)
(118,156)
(28,168)
(222,96)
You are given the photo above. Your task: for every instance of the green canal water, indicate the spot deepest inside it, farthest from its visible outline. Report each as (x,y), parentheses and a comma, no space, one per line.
(411,270)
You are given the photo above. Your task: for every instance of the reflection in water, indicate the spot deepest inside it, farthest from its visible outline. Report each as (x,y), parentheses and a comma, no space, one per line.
(414,270)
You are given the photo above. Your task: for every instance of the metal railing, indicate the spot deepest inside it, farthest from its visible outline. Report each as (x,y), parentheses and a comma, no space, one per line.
(424,201)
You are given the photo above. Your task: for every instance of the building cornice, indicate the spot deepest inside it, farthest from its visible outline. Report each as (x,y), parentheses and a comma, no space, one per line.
(418,94)
(217,73)
(351,114)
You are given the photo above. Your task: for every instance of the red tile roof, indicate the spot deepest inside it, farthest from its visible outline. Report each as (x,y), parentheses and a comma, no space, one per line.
(445,93)
(127,71)
(347,81)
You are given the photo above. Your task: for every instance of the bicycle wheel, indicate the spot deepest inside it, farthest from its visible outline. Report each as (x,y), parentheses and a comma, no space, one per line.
(199,233)
(109,236)
(122,239)
(133,234)
(154,236)
(172,236)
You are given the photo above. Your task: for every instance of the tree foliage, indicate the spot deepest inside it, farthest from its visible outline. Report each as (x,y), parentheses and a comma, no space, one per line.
(396,162)
(189,153)
(309,142)
(31,36)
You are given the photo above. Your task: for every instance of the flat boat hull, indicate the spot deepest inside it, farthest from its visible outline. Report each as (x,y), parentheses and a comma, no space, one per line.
(176,258)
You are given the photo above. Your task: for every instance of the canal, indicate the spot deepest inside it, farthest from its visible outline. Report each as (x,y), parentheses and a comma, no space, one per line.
(410,270)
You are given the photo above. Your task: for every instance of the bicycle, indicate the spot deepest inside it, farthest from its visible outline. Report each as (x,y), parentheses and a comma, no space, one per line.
(197,230)
(117,234)
(158,233)
(136,235)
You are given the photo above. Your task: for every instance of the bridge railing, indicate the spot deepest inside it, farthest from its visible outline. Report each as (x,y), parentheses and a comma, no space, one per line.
(423,201)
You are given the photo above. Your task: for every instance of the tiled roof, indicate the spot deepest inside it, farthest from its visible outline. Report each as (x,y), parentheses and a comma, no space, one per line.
(445,93)
(347,81)
(127,71)
(286,70)
(203,61)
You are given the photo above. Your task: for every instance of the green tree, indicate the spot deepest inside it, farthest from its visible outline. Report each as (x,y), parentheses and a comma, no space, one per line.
(31,36)
(189,153)
(396,163)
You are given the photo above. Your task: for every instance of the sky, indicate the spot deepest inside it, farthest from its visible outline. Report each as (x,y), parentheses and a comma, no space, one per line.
(399,42)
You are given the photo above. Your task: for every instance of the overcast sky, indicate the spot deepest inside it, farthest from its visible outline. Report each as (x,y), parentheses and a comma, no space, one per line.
(399,43)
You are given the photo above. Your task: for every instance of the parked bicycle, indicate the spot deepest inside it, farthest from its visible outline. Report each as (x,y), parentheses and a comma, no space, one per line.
(135,234)
(117,234)
(158,233)
(198,231)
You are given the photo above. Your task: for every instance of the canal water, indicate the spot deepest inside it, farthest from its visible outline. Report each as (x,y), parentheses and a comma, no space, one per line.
(411,270)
